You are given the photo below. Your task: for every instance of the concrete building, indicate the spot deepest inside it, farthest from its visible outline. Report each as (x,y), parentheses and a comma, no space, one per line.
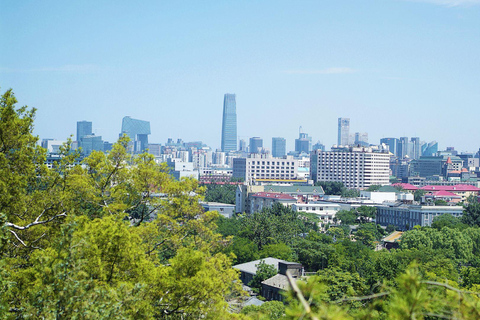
(391,143)
(84,128)
(356,167)
(267,167)
(405,217)
(324,210)
(343,131)
(224,209)
(260,200)
(180,169)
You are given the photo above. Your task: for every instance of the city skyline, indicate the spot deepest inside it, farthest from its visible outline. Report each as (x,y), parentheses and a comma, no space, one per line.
(396,68)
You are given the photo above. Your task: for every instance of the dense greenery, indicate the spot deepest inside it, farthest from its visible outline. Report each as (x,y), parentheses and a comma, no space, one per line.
(223,193)
(337,188)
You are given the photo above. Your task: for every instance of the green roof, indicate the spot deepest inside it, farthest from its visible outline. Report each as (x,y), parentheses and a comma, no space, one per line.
(295,189)
(388,189)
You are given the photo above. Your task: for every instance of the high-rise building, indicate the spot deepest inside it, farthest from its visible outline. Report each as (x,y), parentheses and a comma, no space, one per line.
(138,131)
(403,147)
(343,131)
(90,143)
(279,147)
(303,143)
(391,143)
(318,146)
(242,145)
(356,167)
(229,123)
(430,149)
(256,145)
(415,142)
(361,138)
(84,128)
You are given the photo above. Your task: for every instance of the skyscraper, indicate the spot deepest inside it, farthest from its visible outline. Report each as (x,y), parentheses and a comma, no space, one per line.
(138,131)
(279,147)
(343,131)
(391,144)
(256,145)
(229,123)
(84,128)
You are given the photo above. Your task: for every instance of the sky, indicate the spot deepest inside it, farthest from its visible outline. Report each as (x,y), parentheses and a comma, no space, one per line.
(394,67)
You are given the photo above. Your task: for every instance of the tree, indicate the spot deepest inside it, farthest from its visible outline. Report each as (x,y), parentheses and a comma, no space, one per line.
(471,214)
(223,193)
(264,272)
(418,194)
(374,187)
(277,250)
(447,220)
(331,187)
(346,217)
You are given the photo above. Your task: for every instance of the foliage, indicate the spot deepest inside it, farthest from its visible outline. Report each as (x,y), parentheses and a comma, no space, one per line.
(271,310)
(374,187)
(471,214)
(350,193)
(418,194)
(447,220)
(223,193)
(277,250)
(264,272)
(331,187)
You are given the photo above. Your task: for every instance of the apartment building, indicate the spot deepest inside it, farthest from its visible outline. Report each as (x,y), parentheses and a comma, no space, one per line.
(265,167)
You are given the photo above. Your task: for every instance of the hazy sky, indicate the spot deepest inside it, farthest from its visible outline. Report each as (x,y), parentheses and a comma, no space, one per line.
(395,68)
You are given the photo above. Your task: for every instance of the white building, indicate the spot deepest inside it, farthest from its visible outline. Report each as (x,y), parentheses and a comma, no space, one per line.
(324,210)
(356,167)
(265,167)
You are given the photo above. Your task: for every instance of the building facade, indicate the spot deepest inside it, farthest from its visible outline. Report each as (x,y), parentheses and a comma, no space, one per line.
(257,167)
(229,123)
(405,217)
(355,167)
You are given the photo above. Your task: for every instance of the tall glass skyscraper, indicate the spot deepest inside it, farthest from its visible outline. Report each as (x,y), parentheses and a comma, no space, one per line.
(138,131)
(343,131)
(229,124)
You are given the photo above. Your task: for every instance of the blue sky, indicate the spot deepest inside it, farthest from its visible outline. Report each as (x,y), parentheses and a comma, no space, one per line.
(394,67)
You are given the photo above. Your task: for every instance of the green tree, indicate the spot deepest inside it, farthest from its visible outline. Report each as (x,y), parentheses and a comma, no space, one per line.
(447,220)
(471,214)
(331,187)
(277,250)
(264,272)
(347,217)
(223,193)
(374,187)
(418,194)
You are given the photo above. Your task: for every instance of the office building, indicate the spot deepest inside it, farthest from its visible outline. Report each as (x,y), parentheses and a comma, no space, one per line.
(229,123)
(318,146)
(137,131)
(256,145)
(303,143)
(391,143)
(84,128)
(430,149)
(356,167)
(279,147)
(343,131)
(257,167)
(361,138)
(90,143)
(242,145)
(416,148)
(405,217)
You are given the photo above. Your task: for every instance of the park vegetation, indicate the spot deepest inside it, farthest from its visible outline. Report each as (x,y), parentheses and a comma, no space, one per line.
(115,236)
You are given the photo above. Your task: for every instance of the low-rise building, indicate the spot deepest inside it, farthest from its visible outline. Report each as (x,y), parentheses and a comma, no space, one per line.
(324,210)
(225,209)
(265,167)
(260,200)
(405,217)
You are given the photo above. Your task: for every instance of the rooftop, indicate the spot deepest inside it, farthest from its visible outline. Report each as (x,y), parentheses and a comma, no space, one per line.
(251,267)
(273,195)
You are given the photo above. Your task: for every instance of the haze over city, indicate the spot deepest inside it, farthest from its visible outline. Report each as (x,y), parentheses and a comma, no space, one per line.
(395,68)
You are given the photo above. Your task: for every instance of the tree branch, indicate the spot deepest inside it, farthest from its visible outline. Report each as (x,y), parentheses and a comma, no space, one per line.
(36,222)
(300,296)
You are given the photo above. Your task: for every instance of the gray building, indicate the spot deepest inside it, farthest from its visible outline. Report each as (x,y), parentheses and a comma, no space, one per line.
(343,131)
(84,128)
(137,131)
(90,143)
(279,147)
(256,145)
(303,143)
(229,123)
(405,217)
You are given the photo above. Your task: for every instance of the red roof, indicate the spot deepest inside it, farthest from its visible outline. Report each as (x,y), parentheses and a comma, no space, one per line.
(406,186)
(443,193)
(457,187)
(449,161)
(273,195)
